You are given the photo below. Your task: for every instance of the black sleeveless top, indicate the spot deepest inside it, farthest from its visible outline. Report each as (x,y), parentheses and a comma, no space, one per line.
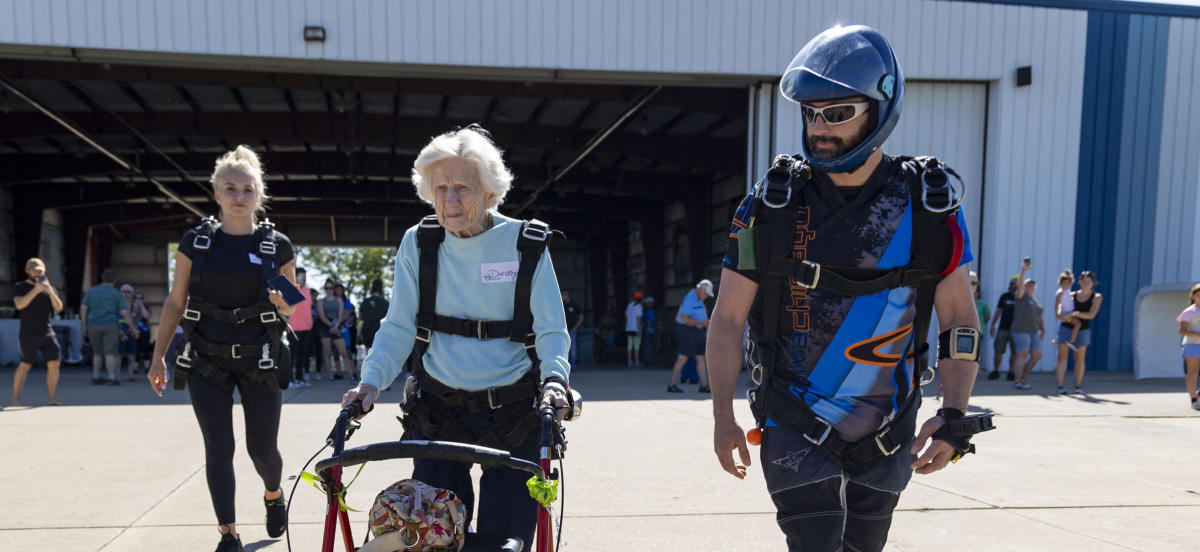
(1083,306)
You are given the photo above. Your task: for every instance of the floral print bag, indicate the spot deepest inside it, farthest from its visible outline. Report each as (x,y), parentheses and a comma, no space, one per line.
(410,516)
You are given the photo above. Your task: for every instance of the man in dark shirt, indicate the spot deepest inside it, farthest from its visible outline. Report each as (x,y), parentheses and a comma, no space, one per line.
(574,319)
(1004,307)
(37,301)
(373,308)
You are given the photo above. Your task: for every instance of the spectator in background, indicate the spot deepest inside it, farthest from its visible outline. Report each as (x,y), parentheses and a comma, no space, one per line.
(373,309)
(1087,305)
(331,313)
(141,314)
(633,330)
(36,300)
(301,322)
(985,313)
(1064,305)
(1028,329)
(1004,315)
(1189,328)
(690,325)
(314,347)
(649,321)
(100,313)
(349,329)
(130,333)
(574,318)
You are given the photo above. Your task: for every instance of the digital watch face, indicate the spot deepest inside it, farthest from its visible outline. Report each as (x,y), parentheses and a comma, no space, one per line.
(965,344)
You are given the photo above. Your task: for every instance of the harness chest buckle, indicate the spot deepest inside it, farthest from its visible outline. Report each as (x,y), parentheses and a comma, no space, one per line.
(235,351)
(268,317)
(492,401)
(266,248)
(423,334)
(191,314)
(824,434)
(481,330)
(202,242)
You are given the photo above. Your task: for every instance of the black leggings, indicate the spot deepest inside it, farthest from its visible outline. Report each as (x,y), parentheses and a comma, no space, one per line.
(213,405)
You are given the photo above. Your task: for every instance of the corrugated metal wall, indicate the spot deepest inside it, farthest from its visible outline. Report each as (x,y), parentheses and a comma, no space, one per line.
(951,40)
(1177,226)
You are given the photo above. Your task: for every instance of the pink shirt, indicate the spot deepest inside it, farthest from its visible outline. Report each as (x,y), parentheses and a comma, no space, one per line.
(301,320)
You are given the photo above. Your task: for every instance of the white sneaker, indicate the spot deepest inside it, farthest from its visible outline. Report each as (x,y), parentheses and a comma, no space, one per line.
(1196,404)
(1078,390)
(1062,390)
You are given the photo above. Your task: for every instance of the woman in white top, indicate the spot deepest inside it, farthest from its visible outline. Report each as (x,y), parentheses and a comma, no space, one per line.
(633,330)
(1189,328)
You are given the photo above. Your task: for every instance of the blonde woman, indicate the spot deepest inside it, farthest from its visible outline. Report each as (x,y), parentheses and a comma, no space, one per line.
(232,324)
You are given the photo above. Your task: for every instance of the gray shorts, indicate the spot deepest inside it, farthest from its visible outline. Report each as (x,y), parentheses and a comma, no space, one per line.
(1002,342)
(1025,342)
(1082,340)
(105,339)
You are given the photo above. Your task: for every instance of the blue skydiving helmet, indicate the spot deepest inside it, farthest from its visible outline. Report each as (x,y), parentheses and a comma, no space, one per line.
(842,62)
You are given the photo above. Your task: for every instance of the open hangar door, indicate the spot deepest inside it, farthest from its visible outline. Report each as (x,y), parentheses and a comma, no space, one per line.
(338,151)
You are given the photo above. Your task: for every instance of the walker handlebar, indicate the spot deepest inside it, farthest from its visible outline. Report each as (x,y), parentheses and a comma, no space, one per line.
(438,450)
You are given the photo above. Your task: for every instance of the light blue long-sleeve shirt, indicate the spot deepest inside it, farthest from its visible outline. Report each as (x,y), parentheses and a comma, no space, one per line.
(477,281)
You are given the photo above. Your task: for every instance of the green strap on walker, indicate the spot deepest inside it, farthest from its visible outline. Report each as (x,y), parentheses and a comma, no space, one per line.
(544,491)
(315,480)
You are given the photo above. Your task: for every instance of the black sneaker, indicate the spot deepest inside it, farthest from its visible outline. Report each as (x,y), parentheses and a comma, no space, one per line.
(97,381)
(276,516)
(994,375)
(230,543)
(1010,377)
(674,389)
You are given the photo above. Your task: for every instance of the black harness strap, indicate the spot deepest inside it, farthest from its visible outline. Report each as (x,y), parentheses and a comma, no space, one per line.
(430,236)
(930,241)
(269,349)
(434,409)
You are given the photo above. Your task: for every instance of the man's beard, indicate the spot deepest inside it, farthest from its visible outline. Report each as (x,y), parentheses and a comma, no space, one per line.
(840,147)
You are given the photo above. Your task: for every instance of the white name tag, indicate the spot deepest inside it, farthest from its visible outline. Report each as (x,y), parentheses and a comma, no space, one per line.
(494,273)
(254,259)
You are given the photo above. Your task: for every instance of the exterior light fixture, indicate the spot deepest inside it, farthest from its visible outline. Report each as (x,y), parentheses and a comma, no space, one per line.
(314,33)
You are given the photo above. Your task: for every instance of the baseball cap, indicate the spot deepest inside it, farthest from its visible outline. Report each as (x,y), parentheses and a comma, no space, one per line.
(706,285)
(127,287)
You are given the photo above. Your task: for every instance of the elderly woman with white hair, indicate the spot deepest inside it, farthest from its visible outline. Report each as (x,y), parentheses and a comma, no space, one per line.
(475,303)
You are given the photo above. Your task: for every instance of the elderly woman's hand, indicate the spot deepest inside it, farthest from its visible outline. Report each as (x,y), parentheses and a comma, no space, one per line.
(554,395)
(365,392)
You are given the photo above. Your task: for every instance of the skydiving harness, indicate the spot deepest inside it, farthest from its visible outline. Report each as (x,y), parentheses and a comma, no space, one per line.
(428,404)
(936,250)
(272,350)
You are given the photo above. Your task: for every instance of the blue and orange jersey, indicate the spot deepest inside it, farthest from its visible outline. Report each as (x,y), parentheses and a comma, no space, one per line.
(845,356)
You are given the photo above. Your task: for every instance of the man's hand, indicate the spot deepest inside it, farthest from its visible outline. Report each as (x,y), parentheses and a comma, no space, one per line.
(937,455)
(728,435)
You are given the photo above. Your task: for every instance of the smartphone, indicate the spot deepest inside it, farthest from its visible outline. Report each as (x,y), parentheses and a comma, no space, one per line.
(281,284)
(1027,260)
(42,279)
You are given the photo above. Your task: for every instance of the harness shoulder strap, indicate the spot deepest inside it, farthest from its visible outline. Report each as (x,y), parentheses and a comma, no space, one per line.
(430,236)
(265,237)
(531,244)
(202,242)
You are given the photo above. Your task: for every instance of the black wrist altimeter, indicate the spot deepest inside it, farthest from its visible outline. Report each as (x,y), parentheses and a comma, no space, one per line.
(959,343)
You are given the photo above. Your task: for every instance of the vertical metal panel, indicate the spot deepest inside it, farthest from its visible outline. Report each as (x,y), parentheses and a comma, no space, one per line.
(1175,256)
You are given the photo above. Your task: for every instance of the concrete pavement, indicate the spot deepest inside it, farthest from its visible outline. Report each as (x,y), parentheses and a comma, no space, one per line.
(122,470)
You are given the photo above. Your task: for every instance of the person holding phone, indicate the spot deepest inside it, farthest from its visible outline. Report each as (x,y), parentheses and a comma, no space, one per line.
(37,301)
(234,336)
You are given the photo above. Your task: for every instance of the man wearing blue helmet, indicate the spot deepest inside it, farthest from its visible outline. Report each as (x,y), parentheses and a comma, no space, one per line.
(836,260)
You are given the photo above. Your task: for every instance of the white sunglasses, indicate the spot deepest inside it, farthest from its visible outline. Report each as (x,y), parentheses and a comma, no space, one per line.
(836,114)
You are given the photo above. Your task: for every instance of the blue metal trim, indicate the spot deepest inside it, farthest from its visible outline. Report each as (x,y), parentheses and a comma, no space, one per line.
(1120,143)
(1115,6)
